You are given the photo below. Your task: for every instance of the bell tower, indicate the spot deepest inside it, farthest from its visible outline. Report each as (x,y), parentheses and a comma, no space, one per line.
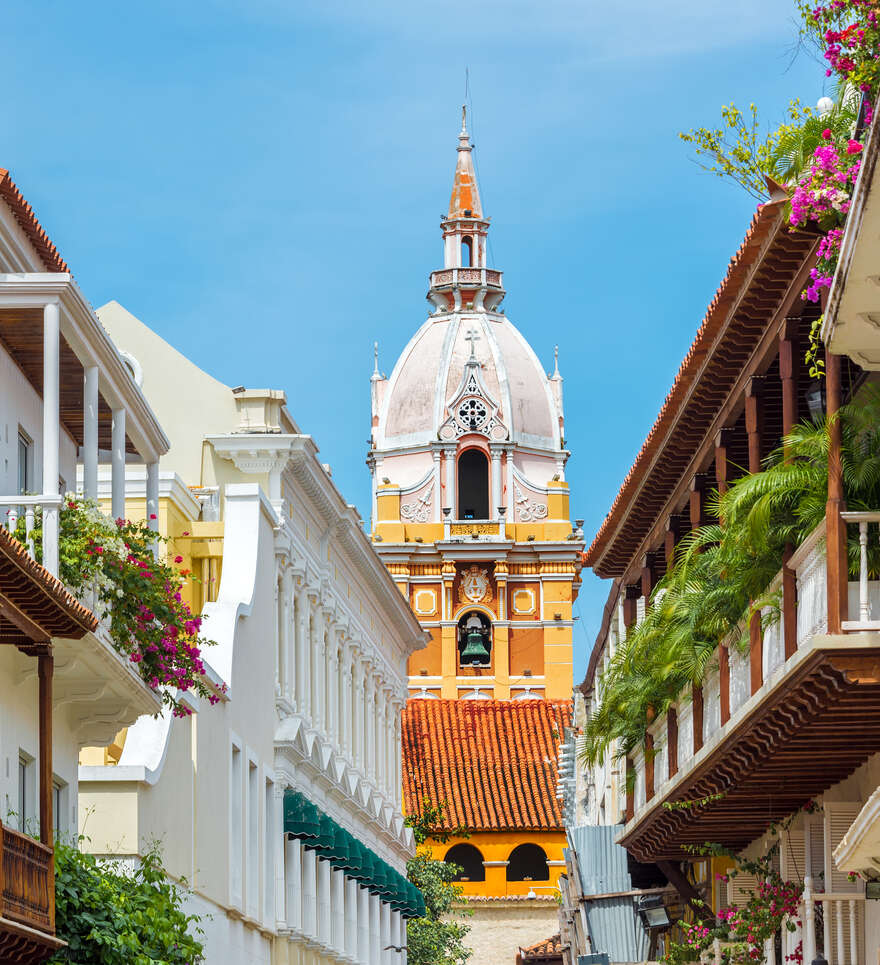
(470,502)
(471,517)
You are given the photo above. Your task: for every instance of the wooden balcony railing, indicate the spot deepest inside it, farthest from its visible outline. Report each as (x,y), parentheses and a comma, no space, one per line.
(27,881)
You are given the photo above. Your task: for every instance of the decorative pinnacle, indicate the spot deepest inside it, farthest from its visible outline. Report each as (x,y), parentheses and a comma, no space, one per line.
(376,374)
(556,374)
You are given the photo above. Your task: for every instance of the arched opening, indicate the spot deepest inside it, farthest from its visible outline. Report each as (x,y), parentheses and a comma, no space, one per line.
(528,862)
(474,639)
(473,485)
(469,859)
(467,251)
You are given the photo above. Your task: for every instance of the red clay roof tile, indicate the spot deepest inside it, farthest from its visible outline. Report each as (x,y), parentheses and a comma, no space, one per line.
(490,763)
(27,220)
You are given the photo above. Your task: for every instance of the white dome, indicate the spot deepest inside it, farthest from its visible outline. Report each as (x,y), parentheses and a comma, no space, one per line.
(429,375)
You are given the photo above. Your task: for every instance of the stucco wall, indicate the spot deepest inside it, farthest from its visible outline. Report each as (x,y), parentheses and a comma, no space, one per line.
(500,929)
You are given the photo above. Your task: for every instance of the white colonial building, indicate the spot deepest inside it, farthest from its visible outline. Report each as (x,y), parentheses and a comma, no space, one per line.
(281,805)
(67,398)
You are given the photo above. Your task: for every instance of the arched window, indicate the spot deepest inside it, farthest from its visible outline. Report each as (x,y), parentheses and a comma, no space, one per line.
(528,862)
(469,859)
(474,639)
(473,485)
(467,252)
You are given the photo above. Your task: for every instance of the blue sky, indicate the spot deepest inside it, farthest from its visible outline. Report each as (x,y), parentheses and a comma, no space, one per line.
(261,182)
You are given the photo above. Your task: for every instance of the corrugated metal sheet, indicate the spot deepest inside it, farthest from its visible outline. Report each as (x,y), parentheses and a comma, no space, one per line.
(614,924)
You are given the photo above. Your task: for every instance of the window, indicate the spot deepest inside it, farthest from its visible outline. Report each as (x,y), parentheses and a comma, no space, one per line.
(469,859)
(253,843)
(25,463)
(269,857)
(59,804)
(473,485)
(236,826)
(467,252)
(528,862)
(23,796)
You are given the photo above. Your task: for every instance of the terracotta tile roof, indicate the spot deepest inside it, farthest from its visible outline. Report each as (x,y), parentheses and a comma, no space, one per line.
(34,592)
(491,763)
(769,253)
(549,948)
(27,220)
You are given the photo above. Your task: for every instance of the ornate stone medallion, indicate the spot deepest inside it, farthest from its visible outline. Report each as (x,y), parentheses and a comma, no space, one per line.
(475,586)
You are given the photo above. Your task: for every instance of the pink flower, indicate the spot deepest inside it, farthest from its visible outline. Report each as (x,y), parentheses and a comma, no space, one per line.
(153,516)
(853,147)
(178,559)
(826,134)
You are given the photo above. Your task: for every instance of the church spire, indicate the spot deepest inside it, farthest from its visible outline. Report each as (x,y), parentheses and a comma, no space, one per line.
(465,200)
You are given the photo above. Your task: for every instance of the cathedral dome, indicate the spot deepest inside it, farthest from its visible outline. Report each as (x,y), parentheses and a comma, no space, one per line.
(470,372)
(467,369)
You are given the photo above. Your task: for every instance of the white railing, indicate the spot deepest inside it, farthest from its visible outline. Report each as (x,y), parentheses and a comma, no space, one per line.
(841,920)
(13,508)
(839,916)
(869,591)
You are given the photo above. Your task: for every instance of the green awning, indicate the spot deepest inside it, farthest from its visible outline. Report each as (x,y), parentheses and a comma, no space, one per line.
(317,830)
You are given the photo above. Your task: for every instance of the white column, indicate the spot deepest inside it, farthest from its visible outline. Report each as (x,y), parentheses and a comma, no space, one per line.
(293,875)
(301,644)
(451,501)
(90,432)
(117,465)
(370,727)
(51,431)
(324,870)
(375,931)
(496,482)
(351,918)
(308,643)
(337,911)
(363,946)
(340,694)
(398,937)
(319,656)
(152,496)
(385,934)
(437,514)
(359,705)
(333,686)
(310,908)
(288,671)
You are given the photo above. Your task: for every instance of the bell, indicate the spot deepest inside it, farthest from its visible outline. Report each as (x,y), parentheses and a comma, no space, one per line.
(475,652)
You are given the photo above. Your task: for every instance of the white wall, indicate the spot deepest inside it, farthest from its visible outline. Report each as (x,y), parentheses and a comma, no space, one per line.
(19,734)
(22,408)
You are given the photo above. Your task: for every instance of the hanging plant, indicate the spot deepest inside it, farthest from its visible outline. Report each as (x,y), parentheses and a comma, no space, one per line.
(137,593)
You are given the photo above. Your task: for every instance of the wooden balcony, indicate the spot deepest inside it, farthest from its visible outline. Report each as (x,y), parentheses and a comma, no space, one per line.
(27,899)
(767,730)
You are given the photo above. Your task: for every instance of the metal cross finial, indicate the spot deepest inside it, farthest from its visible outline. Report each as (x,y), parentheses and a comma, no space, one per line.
(473,336)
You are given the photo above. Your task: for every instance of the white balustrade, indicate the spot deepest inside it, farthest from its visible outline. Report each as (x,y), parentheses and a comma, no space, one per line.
(15,508)
(868,591)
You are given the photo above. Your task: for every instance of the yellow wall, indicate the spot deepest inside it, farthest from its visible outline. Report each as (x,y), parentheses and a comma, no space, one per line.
(497,846)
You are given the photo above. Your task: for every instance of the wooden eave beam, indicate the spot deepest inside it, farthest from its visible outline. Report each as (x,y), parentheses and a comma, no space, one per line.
(759,359)
(14,615)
